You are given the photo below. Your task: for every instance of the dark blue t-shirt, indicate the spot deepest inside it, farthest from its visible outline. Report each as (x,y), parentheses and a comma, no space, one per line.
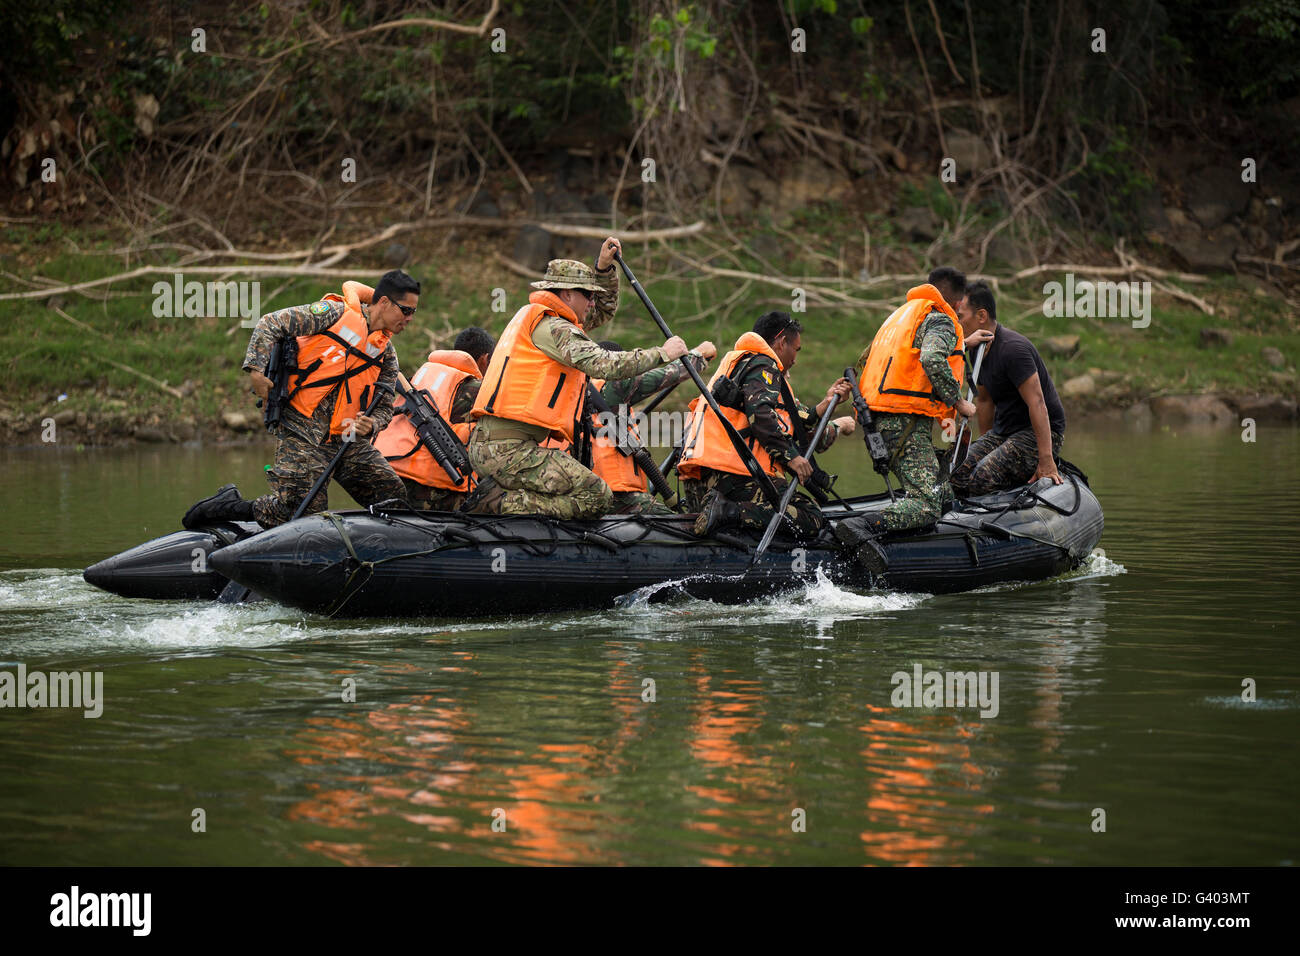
(1010,361)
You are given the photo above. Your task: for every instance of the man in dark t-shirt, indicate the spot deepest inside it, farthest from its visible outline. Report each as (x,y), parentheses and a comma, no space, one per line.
(1020,415)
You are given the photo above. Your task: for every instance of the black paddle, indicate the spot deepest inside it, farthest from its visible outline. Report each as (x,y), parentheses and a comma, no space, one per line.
(790,489)
(958,453)
(746,455)
(235,593)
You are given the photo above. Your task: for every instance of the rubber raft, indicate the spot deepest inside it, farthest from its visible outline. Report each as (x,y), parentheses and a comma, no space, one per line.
(399,563)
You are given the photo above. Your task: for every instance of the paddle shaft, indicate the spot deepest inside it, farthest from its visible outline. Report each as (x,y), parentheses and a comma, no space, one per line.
(324,478)
(974,379)
(746,454)
(790,489)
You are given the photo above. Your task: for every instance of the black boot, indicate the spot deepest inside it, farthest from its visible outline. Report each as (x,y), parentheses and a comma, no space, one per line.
(225,505)
(485,499)
(860,535)
(717,513)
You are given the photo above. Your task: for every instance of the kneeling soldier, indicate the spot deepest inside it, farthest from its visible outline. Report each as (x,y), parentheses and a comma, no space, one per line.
(758,402)
(344,354)
(534,388)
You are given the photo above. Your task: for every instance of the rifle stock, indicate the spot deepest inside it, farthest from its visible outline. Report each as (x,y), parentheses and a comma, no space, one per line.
(434,432)
(875,442)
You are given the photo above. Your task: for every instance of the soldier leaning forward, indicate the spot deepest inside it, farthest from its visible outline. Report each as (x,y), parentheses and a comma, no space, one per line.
(534,387)
(911,377)
(344,354)
(756,400)
(619,471)
(450,382)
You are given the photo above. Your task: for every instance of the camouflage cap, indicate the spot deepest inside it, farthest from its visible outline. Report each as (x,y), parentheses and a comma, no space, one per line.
(568,274)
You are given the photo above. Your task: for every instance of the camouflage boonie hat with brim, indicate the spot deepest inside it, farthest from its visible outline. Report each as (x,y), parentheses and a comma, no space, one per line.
(568,274)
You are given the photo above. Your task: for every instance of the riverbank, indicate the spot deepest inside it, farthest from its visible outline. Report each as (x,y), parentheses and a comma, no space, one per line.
(111,370)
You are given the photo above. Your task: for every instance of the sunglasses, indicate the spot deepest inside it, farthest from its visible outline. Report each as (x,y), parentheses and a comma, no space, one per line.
(407,310)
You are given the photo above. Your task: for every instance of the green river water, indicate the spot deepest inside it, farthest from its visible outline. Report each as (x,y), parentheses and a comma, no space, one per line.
(771,739)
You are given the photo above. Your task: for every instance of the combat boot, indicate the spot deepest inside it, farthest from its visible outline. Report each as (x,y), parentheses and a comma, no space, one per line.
(225,505)
(717,513)
(860,535)
(485,499)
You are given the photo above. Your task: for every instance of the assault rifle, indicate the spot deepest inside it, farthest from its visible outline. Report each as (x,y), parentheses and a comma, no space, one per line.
(627,443)
(876,447)
(434,432)
(282,363)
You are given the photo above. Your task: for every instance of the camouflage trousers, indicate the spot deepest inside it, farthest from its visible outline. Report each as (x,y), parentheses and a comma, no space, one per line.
(537,480)
(363,472)
(999,462)
(917,468)
(426,498)
(638,503)
(755,511)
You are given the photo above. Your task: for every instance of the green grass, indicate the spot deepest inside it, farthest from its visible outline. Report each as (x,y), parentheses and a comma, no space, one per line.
(45,355)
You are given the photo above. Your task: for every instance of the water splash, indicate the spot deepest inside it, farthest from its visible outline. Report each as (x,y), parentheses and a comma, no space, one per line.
(820,600)
(1095,565)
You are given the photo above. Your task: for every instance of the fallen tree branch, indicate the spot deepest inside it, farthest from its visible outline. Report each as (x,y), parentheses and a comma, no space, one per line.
(1133,267)
(1186,296)
(334,254)
(81,325)
(169,270)
(148,378)
(518,268)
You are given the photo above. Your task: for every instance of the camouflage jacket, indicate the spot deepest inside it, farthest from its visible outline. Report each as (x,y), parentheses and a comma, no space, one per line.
(300,320)
(632,391)
(760,384)
(463,401)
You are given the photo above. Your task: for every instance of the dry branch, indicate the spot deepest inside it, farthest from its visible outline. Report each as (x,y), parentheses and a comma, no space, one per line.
(148,378)
(334,254)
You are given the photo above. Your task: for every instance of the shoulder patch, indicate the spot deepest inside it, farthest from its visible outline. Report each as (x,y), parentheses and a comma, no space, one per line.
(767,377)
(320,308)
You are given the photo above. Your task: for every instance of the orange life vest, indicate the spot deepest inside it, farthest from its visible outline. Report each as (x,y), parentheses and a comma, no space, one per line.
(523,383)
(706,444)
(346,357)
(619,471)
(438,379)
(893,379)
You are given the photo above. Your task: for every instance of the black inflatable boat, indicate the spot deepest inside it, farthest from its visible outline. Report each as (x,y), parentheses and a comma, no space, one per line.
(403,563)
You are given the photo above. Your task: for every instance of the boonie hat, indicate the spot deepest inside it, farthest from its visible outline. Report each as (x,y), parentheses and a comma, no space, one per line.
(568,274)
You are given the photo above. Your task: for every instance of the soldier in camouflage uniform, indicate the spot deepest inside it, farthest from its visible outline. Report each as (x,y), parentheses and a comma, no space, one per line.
(518,474)
(726,499)
(478,344)
(909,437)
(304,444)
(626,393)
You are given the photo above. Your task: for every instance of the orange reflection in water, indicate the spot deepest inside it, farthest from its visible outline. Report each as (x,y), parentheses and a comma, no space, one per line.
(911,820)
